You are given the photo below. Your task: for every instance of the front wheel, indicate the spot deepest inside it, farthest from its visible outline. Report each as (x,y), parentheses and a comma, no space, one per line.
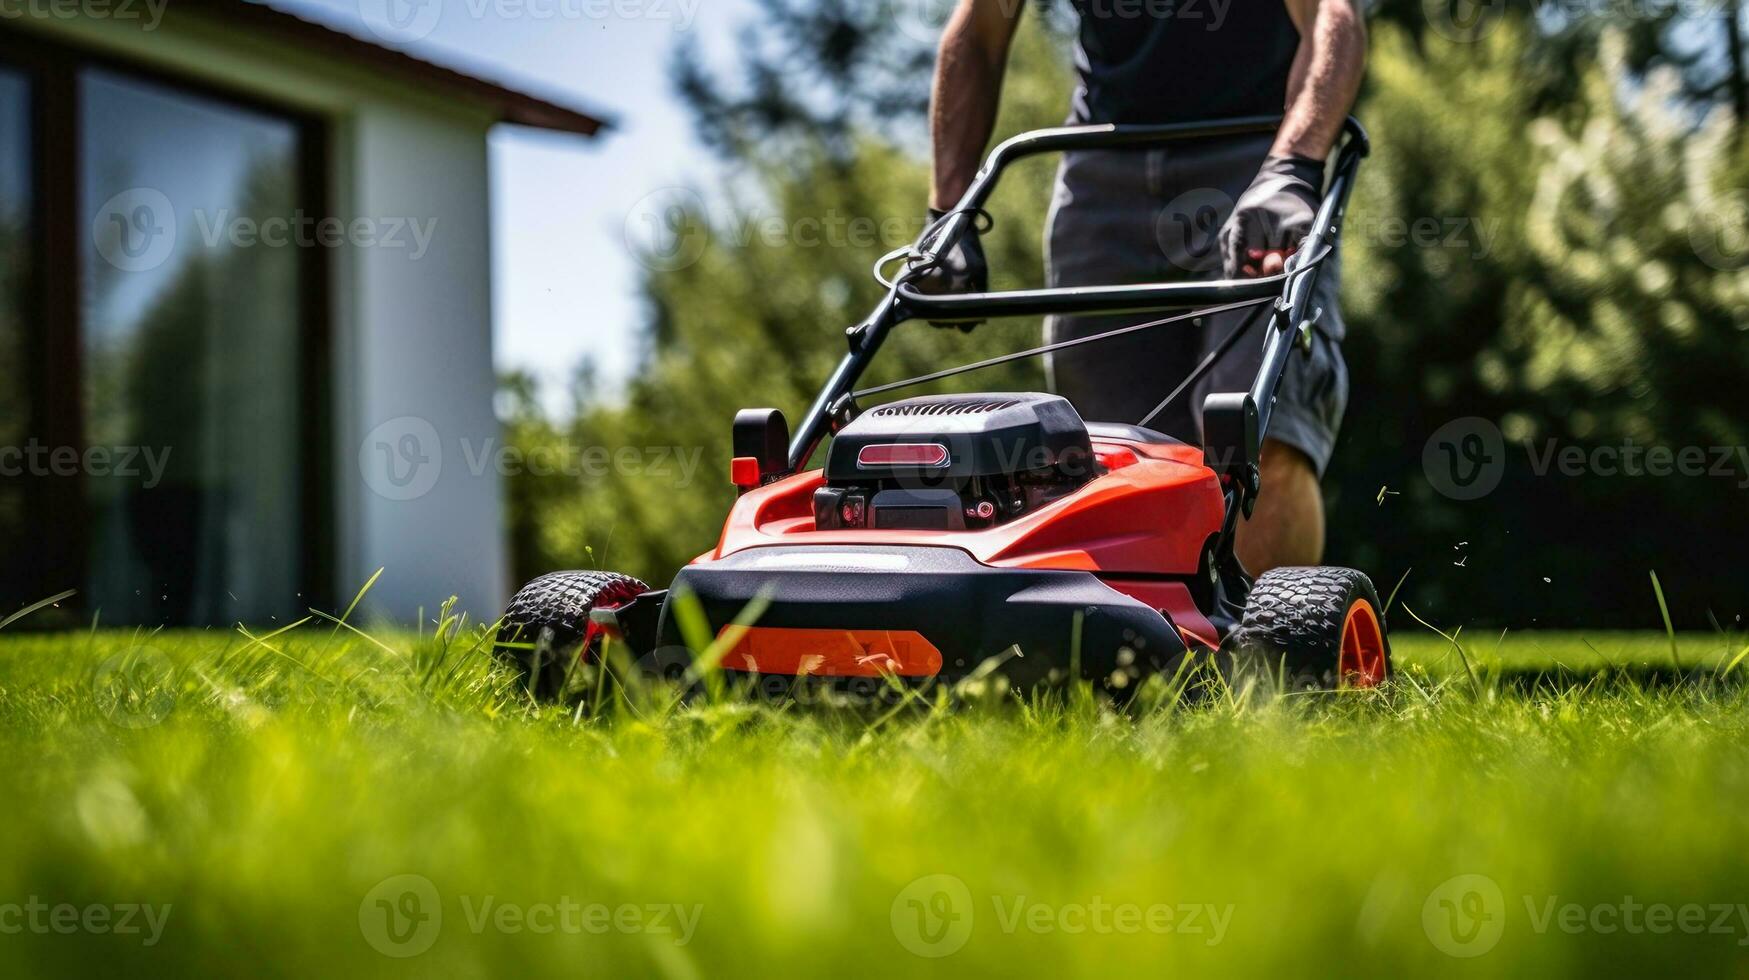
(1315,628)
(546,629)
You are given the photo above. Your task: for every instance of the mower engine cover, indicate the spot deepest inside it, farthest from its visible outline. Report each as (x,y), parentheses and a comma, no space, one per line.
(953,462)
(986,434)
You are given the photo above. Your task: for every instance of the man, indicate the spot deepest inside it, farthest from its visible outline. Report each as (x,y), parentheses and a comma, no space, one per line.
(1153,215)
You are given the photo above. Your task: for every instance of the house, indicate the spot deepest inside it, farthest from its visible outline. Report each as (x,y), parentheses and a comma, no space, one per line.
(245,316)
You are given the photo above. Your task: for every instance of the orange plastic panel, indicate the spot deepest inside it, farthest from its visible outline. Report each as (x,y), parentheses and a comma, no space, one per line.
(831,652)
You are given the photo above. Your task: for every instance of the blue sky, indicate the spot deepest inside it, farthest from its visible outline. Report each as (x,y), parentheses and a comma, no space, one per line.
(564,283)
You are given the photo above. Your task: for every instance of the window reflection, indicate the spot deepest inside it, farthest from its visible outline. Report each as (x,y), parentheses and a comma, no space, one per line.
(191,355)
(16,263)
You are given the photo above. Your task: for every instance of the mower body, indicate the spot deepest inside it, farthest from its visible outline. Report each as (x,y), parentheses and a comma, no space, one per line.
(945,530)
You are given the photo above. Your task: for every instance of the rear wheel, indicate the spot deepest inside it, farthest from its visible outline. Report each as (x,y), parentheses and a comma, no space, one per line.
(546,630)
(1315,628)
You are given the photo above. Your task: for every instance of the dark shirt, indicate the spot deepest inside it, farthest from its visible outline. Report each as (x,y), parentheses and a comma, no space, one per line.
(1162,61)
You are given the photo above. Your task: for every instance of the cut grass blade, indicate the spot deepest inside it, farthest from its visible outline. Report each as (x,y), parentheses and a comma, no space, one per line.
(356,600)
(1669,630)
(41,604)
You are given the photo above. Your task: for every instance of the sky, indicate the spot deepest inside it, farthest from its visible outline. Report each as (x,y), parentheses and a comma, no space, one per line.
(563,278)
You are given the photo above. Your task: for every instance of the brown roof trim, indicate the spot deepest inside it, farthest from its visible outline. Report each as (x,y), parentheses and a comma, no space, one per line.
(511,105)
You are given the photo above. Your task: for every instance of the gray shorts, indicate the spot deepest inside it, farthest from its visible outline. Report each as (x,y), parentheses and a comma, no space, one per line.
(1130,216)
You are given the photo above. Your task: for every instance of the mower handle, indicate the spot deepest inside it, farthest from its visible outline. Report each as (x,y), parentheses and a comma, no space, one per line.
(1292,288)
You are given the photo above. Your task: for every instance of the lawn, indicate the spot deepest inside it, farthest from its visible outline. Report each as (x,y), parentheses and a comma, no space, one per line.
(321,802)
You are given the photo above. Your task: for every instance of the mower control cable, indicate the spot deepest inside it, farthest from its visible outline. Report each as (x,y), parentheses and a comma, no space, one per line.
(1059,345)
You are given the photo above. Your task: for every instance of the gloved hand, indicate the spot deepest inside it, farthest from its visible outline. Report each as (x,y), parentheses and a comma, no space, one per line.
(1272,217)
(960,269)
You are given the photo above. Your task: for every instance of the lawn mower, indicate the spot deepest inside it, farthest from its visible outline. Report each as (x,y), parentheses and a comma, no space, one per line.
(945,533)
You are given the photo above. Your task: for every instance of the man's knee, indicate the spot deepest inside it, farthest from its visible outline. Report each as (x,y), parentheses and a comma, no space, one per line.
(1286,466)
(1288,526)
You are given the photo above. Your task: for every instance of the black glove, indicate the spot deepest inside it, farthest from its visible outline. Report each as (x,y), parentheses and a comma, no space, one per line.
(960,269)
(1274,214)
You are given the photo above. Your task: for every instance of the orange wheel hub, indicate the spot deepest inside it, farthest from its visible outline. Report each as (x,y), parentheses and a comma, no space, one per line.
(1363,646)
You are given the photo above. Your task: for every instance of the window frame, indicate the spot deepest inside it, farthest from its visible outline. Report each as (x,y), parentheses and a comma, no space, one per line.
(55,356)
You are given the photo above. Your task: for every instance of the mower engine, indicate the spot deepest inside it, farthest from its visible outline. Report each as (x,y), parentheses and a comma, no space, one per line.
(953,462)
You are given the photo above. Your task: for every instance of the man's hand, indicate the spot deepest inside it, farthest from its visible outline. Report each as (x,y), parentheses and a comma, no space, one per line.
(960,269)
(1272,217)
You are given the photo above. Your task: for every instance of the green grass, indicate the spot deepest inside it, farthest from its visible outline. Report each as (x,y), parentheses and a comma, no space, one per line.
(265,790)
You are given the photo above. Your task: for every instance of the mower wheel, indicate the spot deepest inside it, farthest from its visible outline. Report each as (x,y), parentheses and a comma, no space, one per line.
(552,614)
(1314,628)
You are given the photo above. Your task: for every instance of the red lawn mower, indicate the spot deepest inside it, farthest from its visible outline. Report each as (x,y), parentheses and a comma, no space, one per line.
(947,530)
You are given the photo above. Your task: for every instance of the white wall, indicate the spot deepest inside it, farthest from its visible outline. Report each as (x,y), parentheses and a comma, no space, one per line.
(411,337)
(417,370)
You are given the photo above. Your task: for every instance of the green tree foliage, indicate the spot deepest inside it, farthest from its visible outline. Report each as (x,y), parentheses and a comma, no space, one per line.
(1582,289)
(1522,249)
(765,274)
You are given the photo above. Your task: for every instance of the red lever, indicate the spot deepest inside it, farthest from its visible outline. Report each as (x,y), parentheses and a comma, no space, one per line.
(744,472)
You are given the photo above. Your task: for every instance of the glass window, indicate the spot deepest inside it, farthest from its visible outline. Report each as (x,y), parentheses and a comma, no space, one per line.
(16,395)
(191,313)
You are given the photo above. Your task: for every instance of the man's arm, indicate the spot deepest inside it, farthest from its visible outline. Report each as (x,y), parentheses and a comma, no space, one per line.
(1325,78)
(1275,212)
(968,86)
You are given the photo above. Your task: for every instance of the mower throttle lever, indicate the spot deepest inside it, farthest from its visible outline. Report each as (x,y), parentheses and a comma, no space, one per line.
(1304,340)
(843,411)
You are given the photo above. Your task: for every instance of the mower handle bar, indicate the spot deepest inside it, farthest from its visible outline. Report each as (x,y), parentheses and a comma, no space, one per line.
(1292,288)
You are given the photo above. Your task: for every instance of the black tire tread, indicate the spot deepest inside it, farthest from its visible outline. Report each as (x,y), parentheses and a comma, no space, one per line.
(558,602)
(1293,622)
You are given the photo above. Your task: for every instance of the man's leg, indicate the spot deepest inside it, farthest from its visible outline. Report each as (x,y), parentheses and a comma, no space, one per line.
(1287,528)
(1102,232)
